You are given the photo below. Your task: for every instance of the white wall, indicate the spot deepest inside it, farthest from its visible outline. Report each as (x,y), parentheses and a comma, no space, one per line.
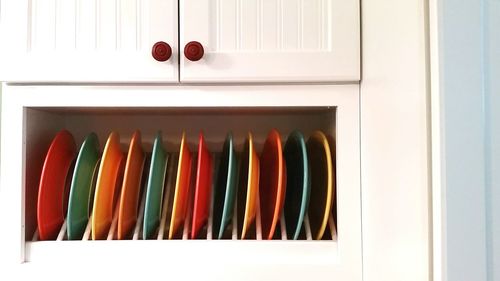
(0,126)
(468,74)
(1,31)
(461,51)
(492,102)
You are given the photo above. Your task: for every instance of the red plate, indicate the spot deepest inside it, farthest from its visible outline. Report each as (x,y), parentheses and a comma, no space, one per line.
(51,192)
(203,188)
(272,184)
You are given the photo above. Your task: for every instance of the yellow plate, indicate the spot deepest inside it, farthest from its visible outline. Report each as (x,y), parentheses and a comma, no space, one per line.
(131,188)
(182,192)
(320,203)
(248,190)
(108,186)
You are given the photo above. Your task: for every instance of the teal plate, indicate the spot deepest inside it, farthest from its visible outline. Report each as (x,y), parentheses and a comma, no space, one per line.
(154,189)
(298,186)
(81,190)
(225,189)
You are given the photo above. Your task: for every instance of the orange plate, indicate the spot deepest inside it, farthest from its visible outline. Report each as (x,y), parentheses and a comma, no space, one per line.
(248,190)
(203,188)
(272,184)
(52,189)
(181,196)
(108,187)
(131,188)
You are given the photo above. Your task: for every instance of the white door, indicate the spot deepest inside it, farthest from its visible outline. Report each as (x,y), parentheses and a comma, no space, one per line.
(270,40)
(89,41)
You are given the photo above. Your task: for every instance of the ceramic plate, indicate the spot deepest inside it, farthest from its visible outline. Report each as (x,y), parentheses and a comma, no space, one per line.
(182,185)
(52,189)
(248,189)
(320,160)
(333,150)
(203,191)
(272,184)
(131,188)
(107,191)
(82,185)
(298,185)
(154,189)
(225,188)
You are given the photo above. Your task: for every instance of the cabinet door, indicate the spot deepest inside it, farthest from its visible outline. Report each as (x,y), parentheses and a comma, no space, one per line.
(271,40)
(88,40)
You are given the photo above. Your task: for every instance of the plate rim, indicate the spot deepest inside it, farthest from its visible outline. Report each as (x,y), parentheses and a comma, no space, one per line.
(202,147)
(298,137)
(274,140)
(252,158)
(62,135)
(135,144)
(320,137)
(91,144)
(183,147)
(113,139)
(158,151)
(230,174)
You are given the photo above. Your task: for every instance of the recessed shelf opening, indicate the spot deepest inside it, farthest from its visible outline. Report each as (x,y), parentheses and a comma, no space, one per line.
(42,123)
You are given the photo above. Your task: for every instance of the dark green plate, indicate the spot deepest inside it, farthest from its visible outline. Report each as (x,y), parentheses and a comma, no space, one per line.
(298,187)
(154,189)
(225,189)
(81,190)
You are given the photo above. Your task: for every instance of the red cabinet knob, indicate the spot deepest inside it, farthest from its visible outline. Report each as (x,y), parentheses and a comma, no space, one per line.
(161,51)
(193,51)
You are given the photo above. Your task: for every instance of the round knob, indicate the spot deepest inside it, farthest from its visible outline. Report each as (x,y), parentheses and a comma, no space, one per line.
(161,51)
(193,51)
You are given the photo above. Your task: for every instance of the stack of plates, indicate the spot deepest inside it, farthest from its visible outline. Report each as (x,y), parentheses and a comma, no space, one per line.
(292,181)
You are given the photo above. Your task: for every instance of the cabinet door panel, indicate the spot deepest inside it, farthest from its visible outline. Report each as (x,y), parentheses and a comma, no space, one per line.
(271,40)
(88,41)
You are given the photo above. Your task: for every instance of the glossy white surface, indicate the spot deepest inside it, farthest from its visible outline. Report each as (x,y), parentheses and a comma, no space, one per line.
(396,219)
(395,151)
(88,41)
(244,40)
(31,125)
(271,40)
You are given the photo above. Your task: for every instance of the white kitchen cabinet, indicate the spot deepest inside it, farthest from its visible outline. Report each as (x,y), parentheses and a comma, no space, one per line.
(241,41)
(379,120)
(271,40)
(88,41)
(37,113)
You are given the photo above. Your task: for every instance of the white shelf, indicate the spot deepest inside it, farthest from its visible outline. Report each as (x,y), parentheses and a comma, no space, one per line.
(38,112)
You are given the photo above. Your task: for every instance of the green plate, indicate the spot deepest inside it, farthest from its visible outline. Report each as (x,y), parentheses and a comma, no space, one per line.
(81,190)
(154,189)
(225,189)
(298,186)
